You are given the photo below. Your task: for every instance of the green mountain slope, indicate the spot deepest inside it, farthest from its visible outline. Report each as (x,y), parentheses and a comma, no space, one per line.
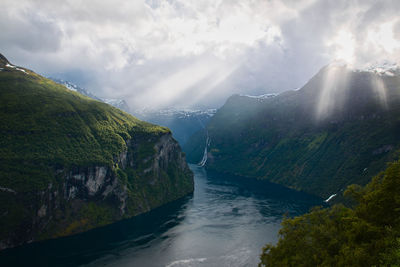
(69,163)
(341,124)
(366,235)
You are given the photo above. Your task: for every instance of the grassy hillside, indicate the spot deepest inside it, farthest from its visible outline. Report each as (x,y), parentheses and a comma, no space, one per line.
(43,122)
(69,163)
(283,139)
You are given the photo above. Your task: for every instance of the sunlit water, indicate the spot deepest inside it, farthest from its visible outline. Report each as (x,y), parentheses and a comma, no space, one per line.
(225,222)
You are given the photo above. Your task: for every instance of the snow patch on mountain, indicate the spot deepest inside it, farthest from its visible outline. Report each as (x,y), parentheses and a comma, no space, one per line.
(113,102)
(71,87)
(260,98)
(75,88)
(118,103)
(177,112)
(8,65)
(264,96)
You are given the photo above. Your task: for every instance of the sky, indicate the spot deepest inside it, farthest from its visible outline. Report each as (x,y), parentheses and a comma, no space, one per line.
(195,53)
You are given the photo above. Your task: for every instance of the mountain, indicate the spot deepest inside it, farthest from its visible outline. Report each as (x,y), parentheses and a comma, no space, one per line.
(75,88)
(118,103)
(340,128)
(182,122)
(69,163)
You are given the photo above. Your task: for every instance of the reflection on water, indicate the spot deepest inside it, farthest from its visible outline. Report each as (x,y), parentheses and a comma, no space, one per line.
(225,223)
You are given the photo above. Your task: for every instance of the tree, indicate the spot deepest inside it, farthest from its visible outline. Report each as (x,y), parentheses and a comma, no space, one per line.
(366,235)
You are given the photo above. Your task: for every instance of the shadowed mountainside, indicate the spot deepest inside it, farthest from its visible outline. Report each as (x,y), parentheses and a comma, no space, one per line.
(340,128)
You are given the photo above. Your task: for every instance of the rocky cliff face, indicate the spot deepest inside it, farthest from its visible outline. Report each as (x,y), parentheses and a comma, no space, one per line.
(85,197)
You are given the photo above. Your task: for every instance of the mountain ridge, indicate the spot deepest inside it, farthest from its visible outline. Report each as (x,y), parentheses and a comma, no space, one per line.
(294,140)
(118,103)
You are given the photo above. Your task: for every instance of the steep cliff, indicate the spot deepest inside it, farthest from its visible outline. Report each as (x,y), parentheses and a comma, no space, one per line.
(69,164)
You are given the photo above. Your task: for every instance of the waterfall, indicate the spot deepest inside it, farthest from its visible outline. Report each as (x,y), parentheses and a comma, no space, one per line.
(204,159)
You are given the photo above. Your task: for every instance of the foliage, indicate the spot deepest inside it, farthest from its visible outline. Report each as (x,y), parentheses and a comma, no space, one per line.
(47,132)
(44,124)
(366,235)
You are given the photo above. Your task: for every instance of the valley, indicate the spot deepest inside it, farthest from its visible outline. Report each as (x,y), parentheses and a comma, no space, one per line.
(187,133)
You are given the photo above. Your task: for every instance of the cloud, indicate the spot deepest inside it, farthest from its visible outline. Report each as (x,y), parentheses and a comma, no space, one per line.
(365,33)
(28,31)
(188,52)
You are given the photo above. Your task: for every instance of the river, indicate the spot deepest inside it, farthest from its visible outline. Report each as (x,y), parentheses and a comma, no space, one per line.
(226,222)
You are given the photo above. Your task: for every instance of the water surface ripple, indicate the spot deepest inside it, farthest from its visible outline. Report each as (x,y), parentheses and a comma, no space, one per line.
(225,222)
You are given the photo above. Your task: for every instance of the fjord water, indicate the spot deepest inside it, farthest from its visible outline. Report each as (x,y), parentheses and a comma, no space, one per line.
(225,222)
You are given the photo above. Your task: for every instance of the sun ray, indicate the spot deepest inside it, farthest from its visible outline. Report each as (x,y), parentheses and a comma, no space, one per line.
(333,91)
